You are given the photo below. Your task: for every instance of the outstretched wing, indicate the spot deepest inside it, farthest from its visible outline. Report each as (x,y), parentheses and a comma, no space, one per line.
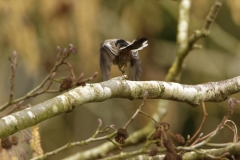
(134,69)
(107,54)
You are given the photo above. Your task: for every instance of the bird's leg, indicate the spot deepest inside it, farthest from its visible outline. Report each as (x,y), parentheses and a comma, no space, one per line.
(123,68)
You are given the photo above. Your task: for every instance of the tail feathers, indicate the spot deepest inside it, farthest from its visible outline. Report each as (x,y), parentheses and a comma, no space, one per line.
(136,45)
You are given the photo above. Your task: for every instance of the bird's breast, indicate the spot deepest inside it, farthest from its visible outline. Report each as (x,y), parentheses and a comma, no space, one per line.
(125,57)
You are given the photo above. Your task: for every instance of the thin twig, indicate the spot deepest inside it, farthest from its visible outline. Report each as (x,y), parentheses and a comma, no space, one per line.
(190,148)
(80,143)
(12,79)
(137,111)
(233,129)
(144,113)
(60,60)
(211,16)
(205,115)
(34,92)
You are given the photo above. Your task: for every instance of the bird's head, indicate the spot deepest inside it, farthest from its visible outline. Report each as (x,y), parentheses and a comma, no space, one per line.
(121,43)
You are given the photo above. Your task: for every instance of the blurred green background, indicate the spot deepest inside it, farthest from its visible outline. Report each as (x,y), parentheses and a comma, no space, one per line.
(34,29)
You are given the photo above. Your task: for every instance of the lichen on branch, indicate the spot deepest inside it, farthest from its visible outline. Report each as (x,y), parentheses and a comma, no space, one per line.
(118,88)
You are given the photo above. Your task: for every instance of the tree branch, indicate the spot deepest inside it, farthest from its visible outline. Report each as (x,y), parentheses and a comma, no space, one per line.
(231,149)
(175,71)
(118,88)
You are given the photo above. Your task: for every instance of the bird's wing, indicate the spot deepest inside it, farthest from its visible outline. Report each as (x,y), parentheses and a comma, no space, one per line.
(110,44)
(136,45)
(134,69)
(107,55)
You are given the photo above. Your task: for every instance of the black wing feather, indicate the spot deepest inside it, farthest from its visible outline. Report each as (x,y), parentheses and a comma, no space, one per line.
(138,43)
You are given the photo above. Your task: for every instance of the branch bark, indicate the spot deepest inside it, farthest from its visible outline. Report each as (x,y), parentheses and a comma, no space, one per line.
(118,88)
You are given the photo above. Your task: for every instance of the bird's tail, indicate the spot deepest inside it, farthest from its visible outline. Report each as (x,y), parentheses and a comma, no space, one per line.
(136,45)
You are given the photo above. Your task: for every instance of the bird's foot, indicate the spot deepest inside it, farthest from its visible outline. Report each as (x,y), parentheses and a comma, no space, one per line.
(123,77)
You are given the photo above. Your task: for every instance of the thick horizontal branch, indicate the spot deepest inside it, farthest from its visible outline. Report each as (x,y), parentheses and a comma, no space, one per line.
(118,88)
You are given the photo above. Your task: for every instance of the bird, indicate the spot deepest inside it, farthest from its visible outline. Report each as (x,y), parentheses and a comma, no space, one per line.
(124,54)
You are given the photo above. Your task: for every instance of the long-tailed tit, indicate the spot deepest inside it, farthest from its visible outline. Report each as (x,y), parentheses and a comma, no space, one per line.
(124,54)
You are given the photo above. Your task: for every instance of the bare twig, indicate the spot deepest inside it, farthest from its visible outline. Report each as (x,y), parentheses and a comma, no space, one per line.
(137,111)
(144,113)
(200,127)
(80,143)
(233,129)
(60,60)
(80,82)
(211,16)
(217,144)
(34,92)
(70,145)
(207,24)
(176,68)
(12,79)
(207,139)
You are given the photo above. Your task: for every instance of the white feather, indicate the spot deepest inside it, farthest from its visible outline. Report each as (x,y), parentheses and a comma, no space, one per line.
(143,46)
